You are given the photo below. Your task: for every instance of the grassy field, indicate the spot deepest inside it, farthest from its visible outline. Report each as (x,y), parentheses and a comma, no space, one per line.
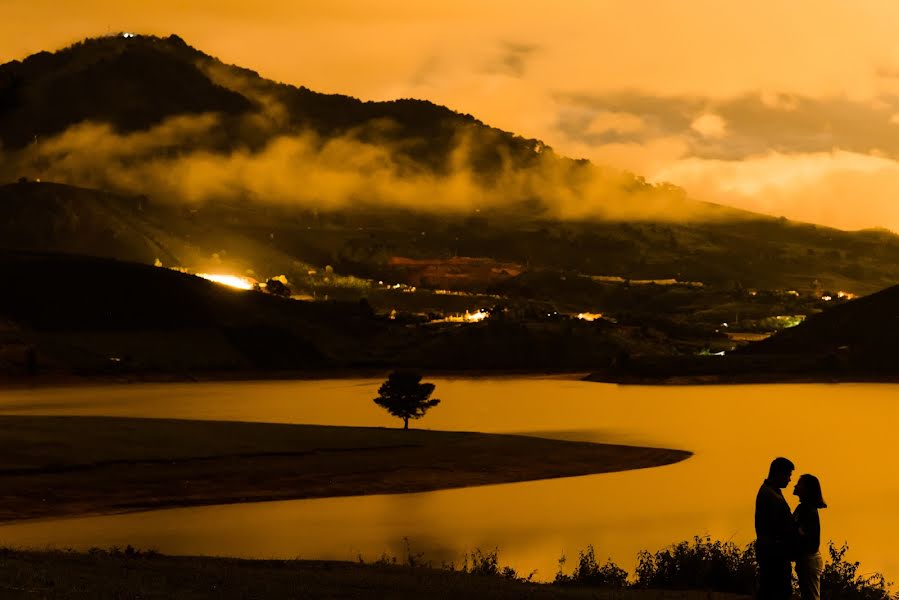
(65,466)
(70,575)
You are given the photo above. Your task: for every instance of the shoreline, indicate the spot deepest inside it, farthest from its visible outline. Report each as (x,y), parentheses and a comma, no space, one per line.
(52,470)
(737,379)
(70,380)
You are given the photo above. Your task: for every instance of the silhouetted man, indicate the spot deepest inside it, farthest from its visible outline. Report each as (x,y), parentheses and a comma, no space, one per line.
(775,533)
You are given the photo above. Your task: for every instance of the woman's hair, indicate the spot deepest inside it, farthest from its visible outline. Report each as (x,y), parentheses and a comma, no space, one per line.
(812,488)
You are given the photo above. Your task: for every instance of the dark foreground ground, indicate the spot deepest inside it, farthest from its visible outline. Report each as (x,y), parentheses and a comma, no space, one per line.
(68,466)
(101,575)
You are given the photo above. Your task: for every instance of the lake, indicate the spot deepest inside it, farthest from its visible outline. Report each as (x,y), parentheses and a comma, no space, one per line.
(843,433)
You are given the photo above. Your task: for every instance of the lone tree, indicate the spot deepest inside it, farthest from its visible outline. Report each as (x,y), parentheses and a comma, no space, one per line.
(404,396)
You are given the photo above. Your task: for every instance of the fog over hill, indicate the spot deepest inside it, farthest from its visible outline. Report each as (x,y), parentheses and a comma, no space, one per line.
(170,154)
(153,115)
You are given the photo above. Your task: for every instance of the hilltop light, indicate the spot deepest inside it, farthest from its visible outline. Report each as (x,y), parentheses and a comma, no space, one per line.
(126,34)
(240,283)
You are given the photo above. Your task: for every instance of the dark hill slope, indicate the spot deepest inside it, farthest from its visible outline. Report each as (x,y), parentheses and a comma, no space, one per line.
(858,335)
(270,240)
(85,312)
(60,218)
(49,217)
(92,315)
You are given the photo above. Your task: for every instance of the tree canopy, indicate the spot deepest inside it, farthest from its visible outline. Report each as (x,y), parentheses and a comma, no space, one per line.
(404,396)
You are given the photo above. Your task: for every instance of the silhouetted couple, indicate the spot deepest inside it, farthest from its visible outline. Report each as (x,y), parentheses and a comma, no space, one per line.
(783,536)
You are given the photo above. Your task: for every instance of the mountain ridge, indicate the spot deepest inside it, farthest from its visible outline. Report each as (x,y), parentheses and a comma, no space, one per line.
(255,174)
(329,114)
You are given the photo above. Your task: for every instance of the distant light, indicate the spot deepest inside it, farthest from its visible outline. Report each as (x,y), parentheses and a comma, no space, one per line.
(468,317)
(588,316)
(241,283)
(827,298)
(476,316)
(125,34)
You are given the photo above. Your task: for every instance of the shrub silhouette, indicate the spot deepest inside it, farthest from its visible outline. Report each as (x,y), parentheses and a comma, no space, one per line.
(404,396)
(700,565)
(841,580)
(589,572)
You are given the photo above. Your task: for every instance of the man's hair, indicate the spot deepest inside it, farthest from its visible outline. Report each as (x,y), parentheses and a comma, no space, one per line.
(781,465)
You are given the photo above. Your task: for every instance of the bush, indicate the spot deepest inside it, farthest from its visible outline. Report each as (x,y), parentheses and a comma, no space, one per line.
(487,563)
(590,572)
(700,565)
(841,581)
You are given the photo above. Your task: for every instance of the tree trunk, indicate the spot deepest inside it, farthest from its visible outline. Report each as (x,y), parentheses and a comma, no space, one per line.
(406,423)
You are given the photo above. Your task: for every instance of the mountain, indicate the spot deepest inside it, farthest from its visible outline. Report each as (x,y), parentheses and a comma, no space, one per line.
(168,154)
(134,83)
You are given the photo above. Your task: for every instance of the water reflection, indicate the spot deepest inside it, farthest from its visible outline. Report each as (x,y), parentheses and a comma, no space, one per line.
(532,524)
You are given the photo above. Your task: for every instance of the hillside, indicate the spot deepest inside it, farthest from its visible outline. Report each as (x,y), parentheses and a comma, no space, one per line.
(160,153)
(851,341)
(96,315)
(270,240)
(66,314)
(857,336)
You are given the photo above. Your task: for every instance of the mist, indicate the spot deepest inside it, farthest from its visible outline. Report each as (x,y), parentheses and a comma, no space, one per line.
(182,160)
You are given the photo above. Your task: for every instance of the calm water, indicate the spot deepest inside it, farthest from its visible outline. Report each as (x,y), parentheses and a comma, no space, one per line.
(842,433)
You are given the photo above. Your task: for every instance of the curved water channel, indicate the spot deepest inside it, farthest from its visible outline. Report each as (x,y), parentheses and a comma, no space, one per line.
(843,433)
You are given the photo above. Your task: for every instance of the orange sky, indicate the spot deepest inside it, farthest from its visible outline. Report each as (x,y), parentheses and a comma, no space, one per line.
(788,108)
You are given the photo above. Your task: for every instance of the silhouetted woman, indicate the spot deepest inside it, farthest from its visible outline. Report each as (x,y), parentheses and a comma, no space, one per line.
(809,564)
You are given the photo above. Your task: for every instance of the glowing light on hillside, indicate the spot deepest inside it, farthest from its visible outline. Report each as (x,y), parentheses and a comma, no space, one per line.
(234,281)
(468,317)
(589,316)
(476,316)
(846,295)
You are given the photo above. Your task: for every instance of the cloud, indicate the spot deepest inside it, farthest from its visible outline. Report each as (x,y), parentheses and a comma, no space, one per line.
(844,189)
(513,59)
(709,125)
(334,172)
(833,161)
(747,125)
